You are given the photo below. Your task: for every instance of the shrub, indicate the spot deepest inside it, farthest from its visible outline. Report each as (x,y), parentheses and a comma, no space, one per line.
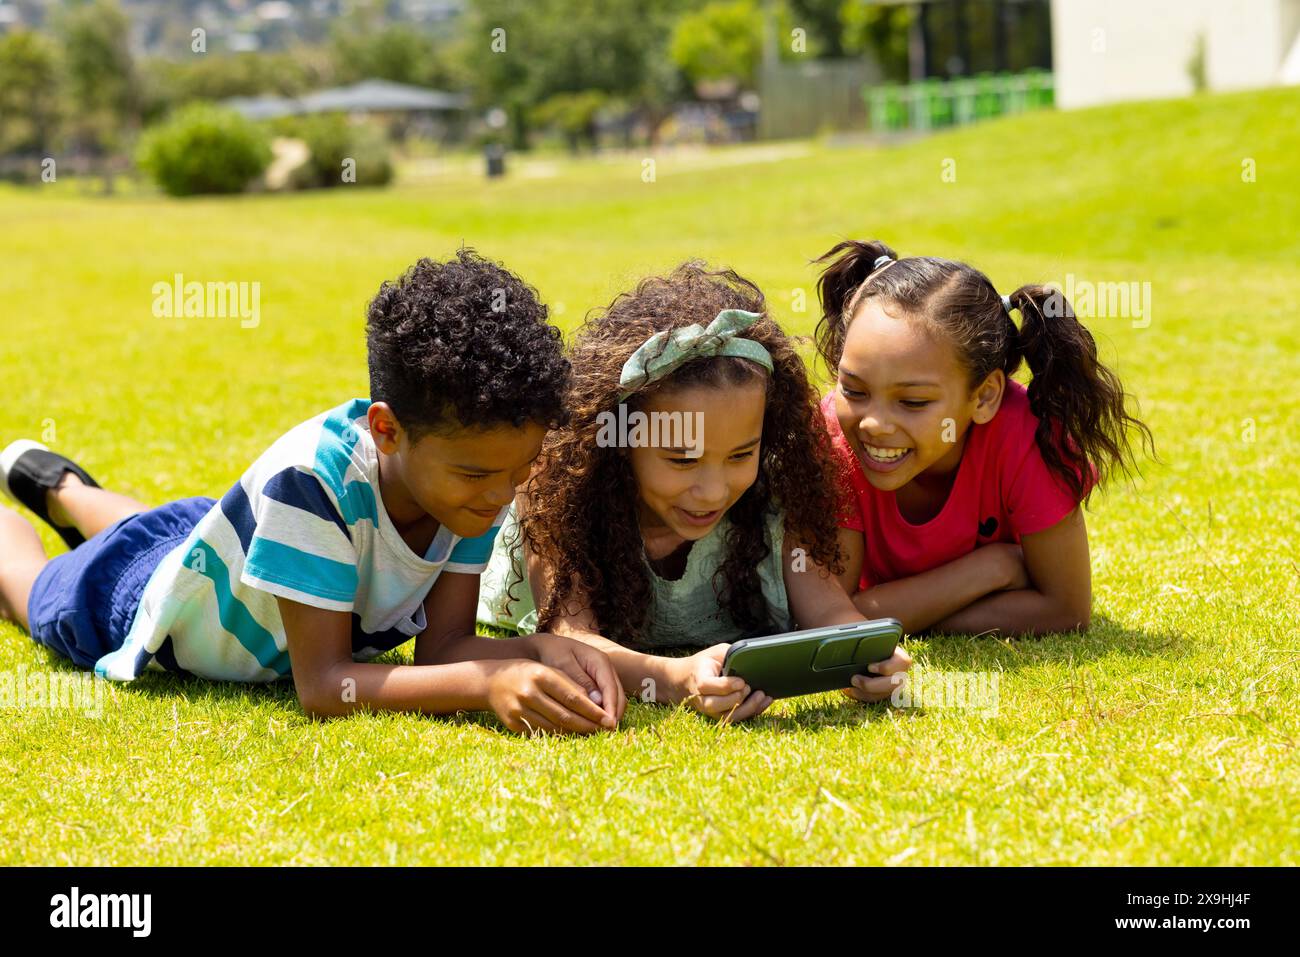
(204,149)
(332,139)
(572,114)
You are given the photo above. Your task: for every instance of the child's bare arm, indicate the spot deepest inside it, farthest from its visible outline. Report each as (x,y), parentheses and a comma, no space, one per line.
(449,635)
(525,694)
(817,600)
(697,680)
(921,601)
(450,609)
(579,623)
(1057,597)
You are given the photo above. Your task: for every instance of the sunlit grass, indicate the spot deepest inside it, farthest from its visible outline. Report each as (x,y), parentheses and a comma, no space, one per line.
(1166,735)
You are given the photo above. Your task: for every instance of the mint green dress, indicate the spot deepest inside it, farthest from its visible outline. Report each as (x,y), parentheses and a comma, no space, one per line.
(685,611)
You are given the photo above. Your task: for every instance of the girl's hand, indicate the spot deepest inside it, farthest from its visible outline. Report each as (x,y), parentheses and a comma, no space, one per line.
(589,667)
(892,674)
(703,687)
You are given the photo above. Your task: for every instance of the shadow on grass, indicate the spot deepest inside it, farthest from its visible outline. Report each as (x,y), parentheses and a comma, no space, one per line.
(1105,638)
(970,653)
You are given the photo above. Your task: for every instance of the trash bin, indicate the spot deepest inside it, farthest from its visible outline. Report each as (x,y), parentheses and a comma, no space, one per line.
(988,97)
(1017,93)
(877,99)
(1040,93)
(938,103)
(495,156)
(963,98)
(895,108)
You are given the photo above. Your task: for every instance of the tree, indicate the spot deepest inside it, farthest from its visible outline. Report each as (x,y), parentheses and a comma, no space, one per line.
(100,75)
(29,93)
(722,40)
(365,45)
(167,84)
(823,19)
(882,31)
(522,53)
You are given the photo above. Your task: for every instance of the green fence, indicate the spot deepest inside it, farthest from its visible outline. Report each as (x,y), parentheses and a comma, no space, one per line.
(932,104)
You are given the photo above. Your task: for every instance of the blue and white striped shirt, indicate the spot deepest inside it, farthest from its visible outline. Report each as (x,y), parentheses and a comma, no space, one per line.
(305,522)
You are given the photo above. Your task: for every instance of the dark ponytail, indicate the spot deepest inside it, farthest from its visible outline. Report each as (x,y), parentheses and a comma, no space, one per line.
(1083,422)
(836,288)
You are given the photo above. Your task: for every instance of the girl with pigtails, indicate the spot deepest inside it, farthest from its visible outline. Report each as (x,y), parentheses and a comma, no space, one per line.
(961,489)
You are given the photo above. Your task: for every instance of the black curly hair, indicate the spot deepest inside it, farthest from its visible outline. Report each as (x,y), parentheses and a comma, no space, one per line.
(464,344)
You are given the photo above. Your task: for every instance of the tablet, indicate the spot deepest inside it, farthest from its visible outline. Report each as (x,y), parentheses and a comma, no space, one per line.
(819,659)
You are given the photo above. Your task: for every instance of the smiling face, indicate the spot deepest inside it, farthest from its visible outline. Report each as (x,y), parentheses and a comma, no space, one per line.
(904,400)
(681,494)
(461,478)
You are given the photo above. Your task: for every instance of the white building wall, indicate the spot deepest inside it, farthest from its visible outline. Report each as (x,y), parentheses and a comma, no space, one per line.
(1111,50)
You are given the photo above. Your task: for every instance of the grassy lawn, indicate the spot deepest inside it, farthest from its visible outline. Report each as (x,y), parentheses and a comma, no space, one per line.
(1167,735)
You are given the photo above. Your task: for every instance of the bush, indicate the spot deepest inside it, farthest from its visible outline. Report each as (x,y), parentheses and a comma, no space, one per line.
(204,149)
(572,114)
(332,140)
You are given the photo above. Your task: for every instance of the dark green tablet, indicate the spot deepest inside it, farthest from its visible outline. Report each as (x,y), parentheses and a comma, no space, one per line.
(819,659)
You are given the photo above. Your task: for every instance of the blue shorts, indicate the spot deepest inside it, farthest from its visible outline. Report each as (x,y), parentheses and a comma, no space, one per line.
(83,602)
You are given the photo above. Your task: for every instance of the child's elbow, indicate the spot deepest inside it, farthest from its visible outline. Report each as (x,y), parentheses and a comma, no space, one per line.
(1077,618)
(320,706)
(311,708)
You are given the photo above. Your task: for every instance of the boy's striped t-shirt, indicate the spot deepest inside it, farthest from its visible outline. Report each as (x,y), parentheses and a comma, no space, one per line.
(305,522)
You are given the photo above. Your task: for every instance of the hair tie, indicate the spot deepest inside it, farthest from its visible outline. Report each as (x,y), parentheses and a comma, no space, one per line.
(1006,304)
(665,351)
(880,261)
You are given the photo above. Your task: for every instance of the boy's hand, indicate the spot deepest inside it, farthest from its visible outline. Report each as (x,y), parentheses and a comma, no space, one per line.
(530,697)
(892,673)
(701,685)
(589,667)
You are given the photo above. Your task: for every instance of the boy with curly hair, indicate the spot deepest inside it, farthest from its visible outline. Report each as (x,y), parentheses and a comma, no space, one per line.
(357,530)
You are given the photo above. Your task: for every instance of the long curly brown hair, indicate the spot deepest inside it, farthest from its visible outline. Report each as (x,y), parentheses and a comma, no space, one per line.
(582,516)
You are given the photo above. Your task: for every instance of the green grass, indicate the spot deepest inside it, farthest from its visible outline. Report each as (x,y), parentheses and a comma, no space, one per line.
(1167,735)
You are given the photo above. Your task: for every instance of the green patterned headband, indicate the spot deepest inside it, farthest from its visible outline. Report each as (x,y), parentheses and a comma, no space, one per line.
(664,352)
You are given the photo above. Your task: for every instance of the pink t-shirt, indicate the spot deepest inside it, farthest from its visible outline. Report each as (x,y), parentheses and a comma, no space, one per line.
(1003,491)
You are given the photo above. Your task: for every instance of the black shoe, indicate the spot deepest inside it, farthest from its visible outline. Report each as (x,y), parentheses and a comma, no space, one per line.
(28,470)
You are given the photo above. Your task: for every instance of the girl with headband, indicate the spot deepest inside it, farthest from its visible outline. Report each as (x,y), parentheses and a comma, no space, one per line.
(962,488)
(688,503)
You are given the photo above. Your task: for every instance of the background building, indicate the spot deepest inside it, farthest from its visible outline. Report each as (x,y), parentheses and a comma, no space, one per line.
(1109,50)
